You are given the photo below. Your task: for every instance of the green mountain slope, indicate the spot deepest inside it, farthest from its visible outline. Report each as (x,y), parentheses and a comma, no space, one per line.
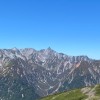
(87,93)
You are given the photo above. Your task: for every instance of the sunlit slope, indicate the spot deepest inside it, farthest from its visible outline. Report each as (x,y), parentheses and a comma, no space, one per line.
(87,93)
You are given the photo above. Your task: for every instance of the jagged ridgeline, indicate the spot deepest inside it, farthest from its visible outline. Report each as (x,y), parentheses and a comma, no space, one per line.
(28,74)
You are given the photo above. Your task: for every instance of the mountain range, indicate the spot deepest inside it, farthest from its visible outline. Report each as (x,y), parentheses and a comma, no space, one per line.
(29,74)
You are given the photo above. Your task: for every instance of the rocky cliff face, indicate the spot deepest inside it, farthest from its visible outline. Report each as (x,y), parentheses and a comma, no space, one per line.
(27,74)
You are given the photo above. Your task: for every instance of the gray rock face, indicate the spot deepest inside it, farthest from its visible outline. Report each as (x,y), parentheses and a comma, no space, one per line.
(27,74)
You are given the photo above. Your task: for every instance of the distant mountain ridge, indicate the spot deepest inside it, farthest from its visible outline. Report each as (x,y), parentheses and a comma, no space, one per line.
(28,74)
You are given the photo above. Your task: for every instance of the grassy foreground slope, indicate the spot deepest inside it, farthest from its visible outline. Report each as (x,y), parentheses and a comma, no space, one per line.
(87,93)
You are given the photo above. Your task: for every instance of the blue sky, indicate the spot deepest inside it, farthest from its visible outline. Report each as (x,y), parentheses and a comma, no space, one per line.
(68,26)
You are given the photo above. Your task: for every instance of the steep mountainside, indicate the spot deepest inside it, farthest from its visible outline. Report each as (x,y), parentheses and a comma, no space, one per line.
(87,93)
(29,74)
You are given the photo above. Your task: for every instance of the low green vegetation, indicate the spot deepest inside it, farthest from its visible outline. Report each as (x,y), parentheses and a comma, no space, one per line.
(71,95)
(97,89)
(88,93)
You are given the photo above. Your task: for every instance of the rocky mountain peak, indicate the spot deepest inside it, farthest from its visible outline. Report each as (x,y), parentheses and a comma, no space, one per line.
(43,72)
(15,49)
(49,48)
